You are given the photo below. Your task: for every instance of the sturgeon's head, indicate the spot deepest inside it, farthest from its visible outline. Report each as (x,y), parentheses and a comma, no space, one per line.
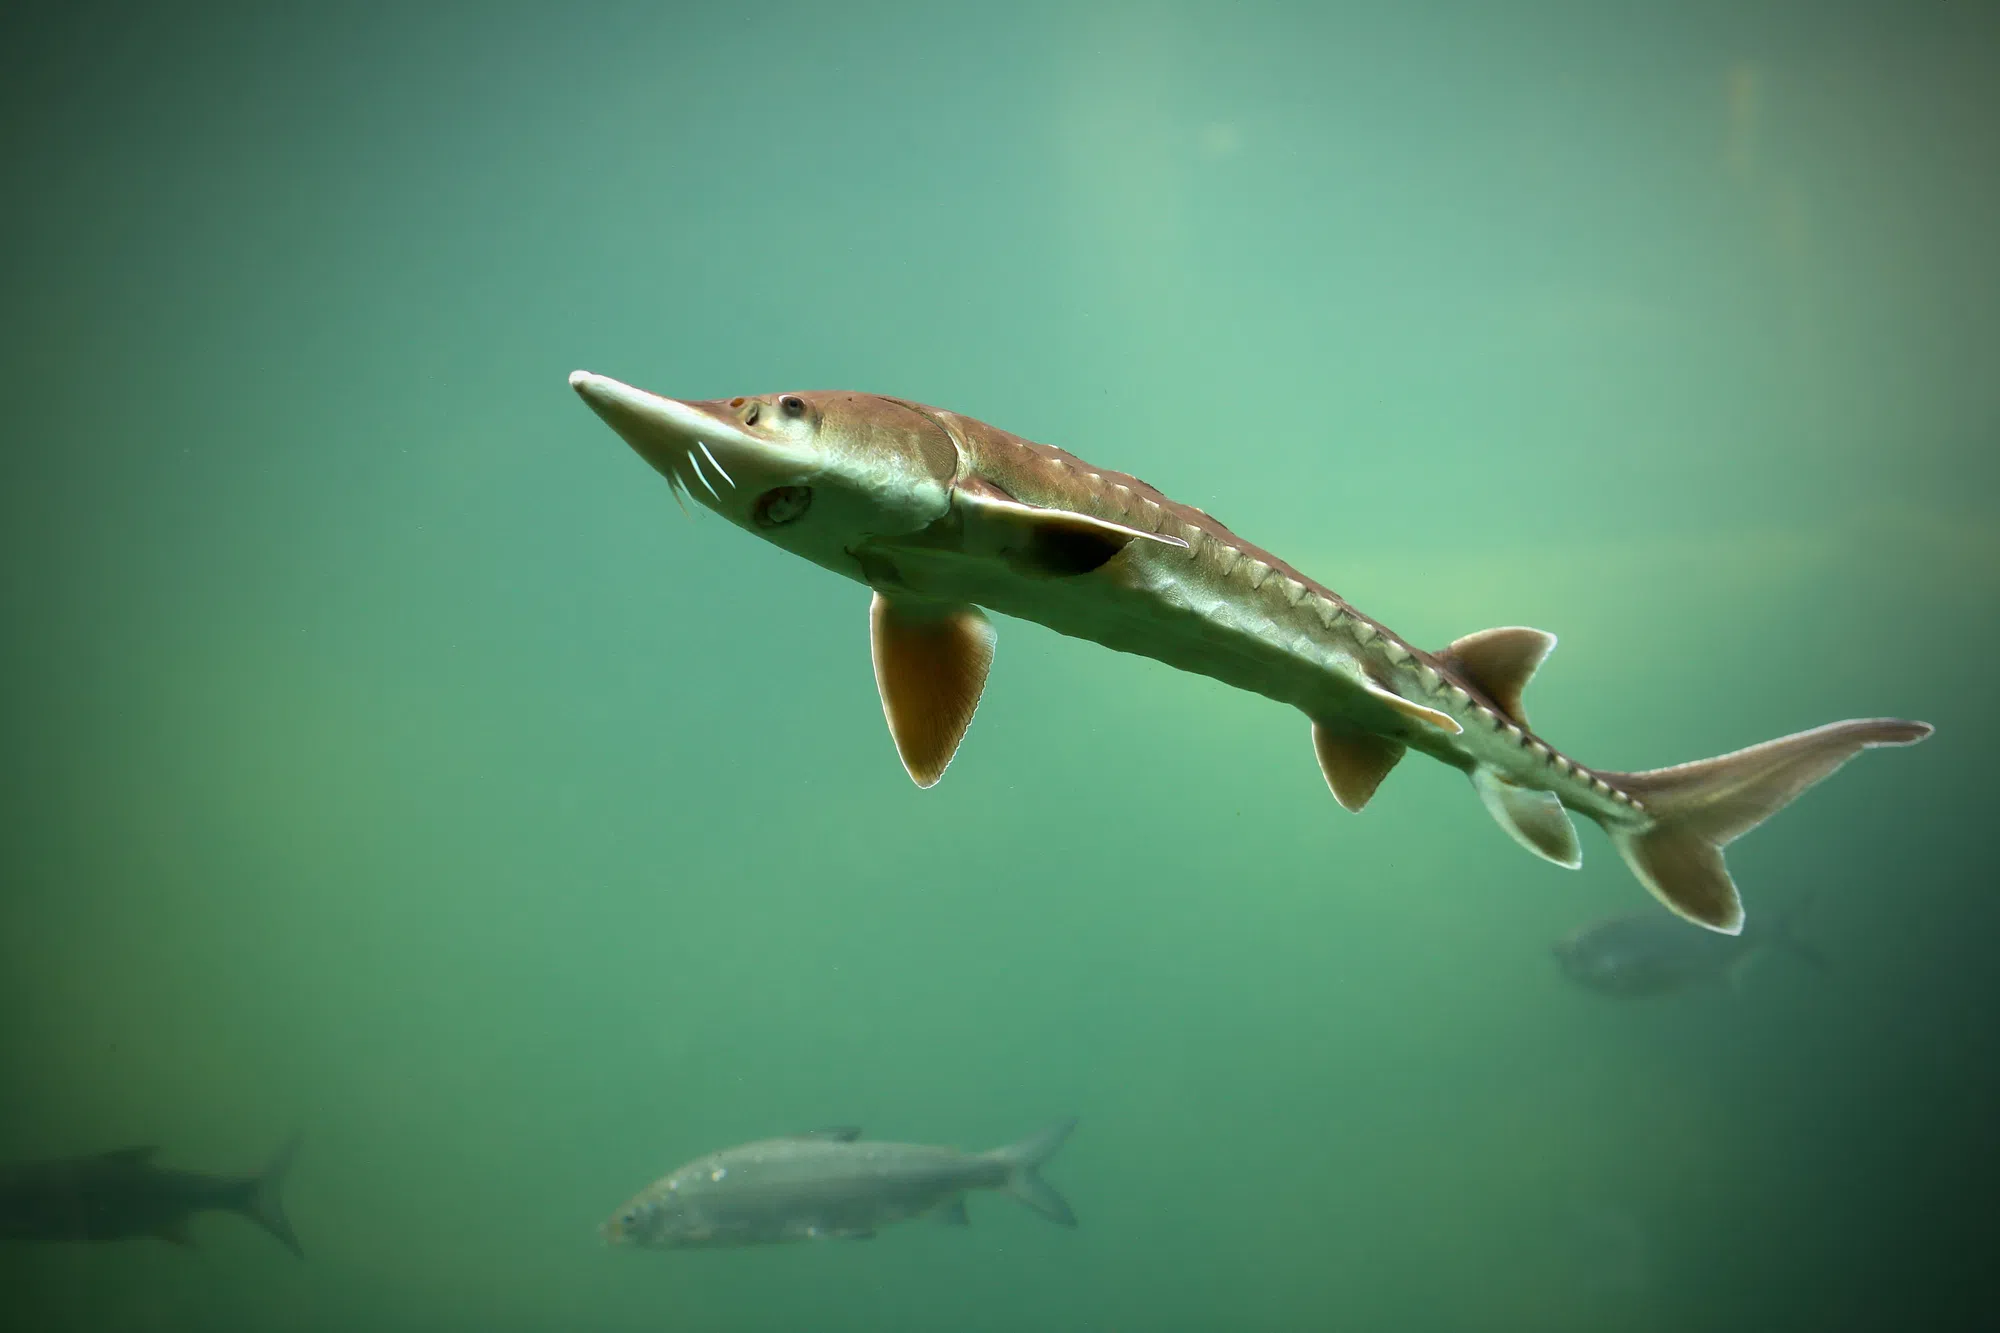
(816,473)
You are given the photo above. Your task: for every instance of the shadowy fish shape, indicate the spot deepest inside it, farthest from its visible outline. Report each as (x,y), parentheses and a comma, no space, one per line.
(941,515)
(1647,954)
(830,1185)
(116,1195)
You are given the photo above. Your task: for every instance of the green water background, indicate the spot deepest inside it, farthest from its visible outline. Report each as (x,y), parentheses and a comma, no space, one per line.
(382,756)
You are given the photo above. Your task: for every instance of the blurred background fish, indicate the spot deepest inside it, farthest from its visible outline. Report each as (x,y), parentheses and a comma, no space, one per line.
(827,1185)
(121,1194)
(1652,953)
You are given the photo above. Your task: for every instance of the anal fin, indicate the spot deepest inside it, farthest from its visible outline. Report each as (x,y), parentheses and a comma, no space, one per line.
(1535,819)
(931,660)
(175,1232)
(953,1214)
(1354,763)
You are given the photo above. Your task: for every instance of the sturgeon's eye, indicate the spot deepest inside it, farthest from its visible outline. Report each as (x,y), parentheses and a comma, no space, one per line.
(792,405)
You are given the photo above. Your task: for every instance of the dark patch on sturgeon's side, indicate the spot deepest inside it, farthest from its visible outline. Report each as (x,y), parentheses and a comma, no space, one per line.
(1067,551)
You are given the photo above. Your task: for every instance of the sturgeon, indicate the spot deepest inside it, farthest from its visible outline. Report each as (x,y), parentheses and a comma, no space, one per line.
(941,515)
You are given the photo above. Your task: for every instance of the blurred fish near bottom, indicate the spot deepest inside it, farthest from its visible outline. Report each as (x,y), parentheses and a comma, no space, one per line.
(1652,953)
(829,1185)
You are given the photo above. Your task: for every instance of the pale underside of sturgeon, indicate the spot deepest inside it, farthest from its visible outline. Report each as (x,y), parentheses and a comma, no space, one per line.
(942,515)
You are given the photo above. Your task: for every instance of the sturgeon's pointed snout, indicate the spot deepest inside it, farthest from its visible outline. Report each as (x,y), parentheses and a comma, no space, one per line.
(700,448)
(663,431)
(644,420)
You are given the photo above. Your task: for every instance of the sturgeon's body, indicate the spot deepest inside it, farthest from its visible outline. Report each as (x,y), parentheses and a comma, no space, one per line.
(1218,606)
(941,515)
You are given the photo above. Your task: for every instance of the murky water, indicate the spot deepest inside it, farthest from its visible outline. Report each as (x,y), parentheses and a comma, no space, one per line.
(386,759)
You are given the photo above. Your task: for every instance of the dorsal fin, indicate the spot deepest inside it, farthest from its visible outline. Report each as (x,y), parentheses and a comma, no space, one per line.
(1499,663)
(832,1133)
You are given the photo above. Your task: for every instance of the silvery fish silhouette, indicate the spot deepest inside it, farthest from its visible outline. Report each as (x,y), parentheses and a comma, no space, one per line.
(829,1185)
(121,1194)
(1638,955)
(942,515)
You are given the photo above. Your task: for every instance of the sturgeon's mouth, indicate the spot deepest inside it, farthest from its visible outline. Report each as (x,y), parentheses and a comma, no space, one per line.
(690,445)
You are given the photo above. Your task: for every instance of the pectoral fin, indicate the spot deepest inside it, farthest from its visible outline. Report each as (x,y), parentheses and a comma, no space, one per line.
(1047,543)
(1416,712)
(1535,819)
(1354,763)
(931,660)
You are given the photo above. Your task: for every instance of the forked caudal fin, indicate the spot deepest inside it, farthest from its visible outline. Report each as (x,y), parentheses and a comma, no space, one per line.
(262,1203)
(1700,808)
(1024,1179)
